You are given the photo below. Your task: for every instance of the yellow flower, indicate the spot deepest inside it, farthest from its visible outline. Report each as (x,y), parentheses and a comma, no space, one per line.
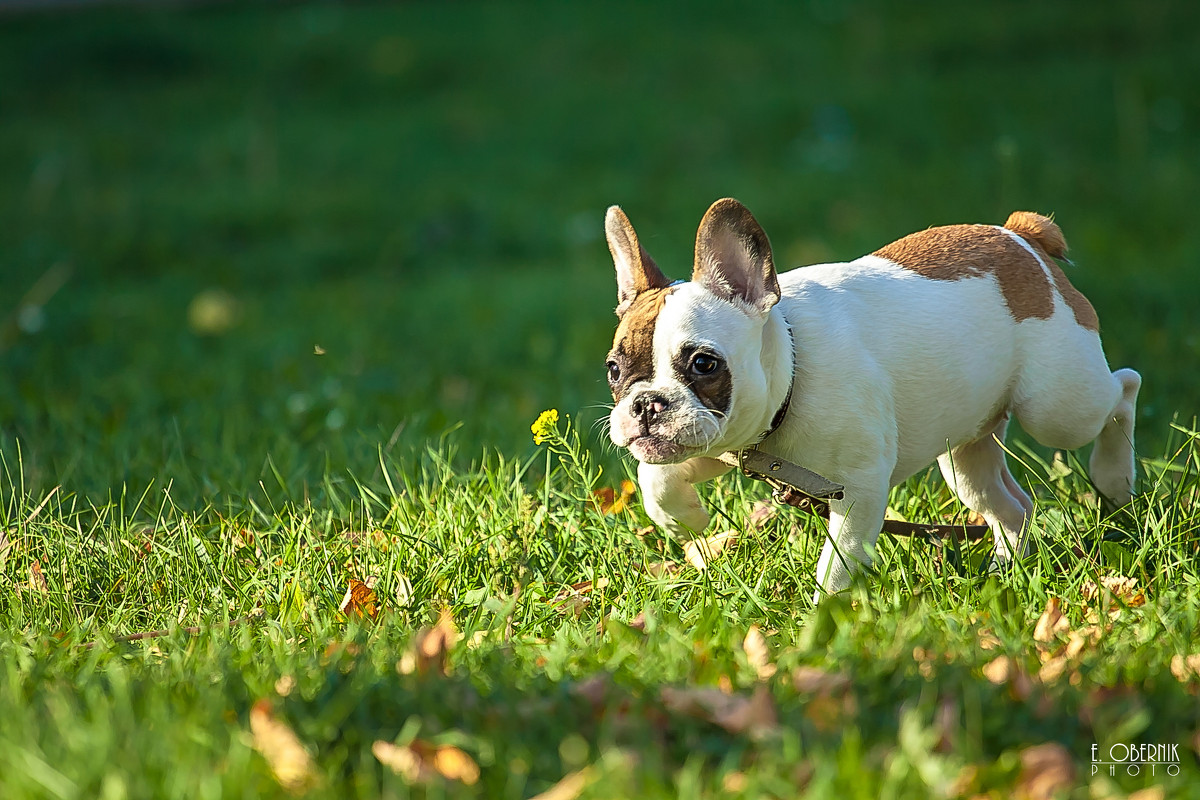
(545,425)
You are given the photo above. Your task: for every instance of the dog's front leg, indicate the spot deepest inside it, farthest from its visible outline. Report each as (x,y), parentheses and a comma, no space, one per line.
(854,526)
(669,495)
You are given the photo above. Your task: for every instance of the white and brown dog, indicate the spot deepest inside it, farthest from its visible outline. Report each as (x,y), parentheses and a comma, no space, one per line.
(864,372)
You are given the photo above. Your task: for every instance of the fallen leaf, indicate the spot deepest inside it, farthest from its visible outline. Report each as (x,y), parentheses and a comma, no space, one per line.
(662,569)
(1185,668)
(360,600)
(37,578)
(593,690)
(404,592)
(607,500)
(1046,771)
(699,552)
(813,680)
(422,762)
(428,649)
(581,588)
(1080,638)
(1002,670)
(570,786)
(831,701)
(736,713)
(1053,669)
(734,782)
(763,512)
(1149,793)
(281,748)
(758,654)
(5,545)
(997,670)
(1052,622)
(1118,587)
(574,598)
(988,640)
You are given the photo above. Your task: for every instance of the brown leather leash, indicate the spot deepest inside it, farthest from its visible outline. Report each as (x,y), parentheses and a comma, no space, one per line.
(793,485)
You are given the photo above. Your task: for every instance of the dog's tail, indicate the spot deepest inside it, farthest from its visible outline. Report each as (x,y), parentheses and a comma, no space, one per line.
(1040,230)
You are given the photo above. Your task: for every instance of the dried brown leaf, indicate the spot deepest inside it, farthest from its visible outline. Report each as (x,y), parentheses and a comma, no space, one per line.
(1149,793)
(1118,587)
(1003,670)
(404,592)
(758,654)
(663,569)
(5,545)
(998,670)
(1046,771)
(608,500)
(988,640)
(1080,638)
(279,746)
(37,579)
(1185,668)
(1053,669)
(813,680)
(762,513)
(1052,622)
(428,650)
(831,702)
(423,762)
(699,552)
(360,600)
(736,713)
(570,786)
(578,589)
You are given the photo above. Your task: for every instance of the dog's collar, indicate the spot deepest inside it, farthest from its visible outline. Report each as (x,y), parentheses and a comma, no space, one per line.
(777,420)
(781,414)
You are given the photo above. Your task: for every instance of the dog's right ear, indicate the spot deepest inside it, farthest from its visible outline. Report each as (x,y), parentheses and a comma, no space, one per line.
(636,270)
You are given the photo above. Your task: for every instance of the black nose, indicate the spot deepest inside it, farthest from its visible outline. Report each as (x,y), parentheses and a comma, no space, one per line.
(649,405)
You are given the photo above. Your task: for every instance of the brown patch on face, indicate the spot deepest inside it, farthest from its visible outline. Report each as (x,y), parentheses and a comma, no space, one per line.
(713,389)
(954,252)
(633,343)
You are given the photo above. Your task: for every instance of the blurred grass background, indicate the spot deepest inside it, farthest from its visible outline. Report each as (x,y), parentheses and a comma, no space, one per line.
(244,242)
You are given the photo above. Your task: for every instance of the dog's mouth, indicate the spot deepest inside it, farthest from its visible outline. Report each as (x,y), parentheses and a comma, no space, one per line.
(651,449)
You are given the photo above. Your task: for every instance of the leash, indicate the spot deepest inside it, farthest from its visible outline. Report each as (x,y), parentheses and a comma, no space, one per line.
(803,489)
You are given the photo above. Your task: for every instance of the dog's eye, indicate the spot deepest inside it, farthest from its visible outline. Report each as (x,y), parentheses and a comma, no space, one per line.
(704,364)
(614,372)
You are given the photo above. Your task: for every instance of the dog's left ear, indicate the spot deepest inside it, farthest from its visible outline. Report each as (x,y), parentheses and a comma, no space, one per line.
(636,270)
(733,257)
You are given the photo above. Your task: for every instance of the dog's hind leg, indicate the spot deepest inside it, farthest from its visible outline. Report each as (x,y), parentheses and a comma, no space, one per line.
(978,475)
(1112,464)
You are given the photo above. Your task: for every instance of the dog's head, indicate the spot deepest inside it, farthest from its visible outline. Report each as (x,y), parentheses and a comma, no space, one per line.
(688,368)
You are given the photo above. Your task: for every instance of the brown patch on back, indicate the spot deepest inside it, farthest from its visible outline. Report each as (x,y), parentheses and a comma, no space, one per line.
(953,252)
(633,343)
(961,251)
(1047,238)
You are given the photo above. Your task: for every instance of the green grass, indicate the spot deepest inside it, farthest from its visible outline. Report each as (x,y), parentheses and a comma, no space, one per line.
(417,191)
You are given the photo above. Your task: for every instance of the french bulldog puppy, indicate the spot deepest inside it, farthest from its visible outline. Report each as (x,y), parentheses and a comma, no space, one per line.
(864,372)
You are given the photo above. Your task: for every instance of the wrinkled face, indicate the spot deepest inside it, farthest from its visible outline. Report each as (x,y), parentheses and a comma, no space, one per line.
(678,358)
(686,354)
